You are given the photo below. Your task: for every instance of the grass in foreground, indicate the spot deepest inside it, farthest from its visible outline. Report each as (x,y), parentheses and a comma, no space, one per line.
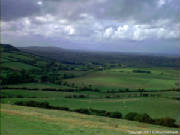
(17,120)
(155,107)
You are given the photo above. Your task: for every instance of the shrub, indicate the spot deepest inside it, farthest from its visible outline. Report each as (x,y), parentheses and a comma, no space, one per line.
(107,97)
(131,116)
(81,110)
(19,96)
(82,96)
(44,105)
(169,122)
(76,96)
(33,104)
(166,122)
(68,96)
(19,103)
(142,71)
(49,89)
(64,108)
(115,115)
(98,112)
(144,118)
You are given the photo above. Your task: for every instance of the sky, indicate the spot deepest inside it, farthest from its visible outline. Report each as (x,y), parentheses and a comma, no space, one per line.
(151,26)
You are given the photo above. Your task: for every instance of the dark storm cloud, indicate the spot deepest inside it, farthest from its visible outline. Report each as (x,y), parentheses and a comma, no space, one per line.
(13,9)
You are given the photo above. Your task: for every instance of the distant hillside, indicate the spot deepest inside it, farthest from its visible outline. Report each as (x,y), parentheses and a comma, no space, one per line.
(32,56)
(18,66)
(44,49)
(8,48)
(14,59)
(81,57)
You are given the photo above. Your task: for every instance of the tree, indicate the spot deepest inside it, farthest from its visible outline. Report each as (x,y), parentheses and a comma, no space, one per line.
(44,78)
(116,115)
(131,116)
(166,122)
(144,118)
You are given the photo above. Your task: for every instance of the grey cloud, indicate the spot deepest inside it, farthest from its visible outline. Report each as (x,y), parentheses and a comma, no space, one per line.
(14,9)
(141,11)
(98,16)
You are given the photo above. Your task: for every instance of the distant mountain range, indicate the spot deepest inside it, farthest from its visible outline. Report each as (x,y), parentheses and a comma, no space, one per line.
(69,56)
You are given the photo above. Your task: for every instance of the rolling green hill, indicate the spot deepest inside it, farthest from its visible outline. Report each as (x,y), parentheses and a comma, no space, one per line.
(14,59)
(102,58)
(17,120)
(107,85)
(21,67)
(155,107)
(123,78)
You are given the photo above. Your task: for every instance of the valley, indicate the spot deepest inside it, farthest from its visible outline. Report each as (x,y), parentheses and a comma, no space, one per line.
(84,86)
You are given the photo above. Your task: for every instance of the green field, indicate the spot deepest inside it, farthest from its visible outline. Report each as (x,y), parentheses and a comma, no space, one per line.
(37,92)
(155,107)
(18,120)
(18,65)
(16,55)
(21,61)
(122,78)
(38,86)
(115,88)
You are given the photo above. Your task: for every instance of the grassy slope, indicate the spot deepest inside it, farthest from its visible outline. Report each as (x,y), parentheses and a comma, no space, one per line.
(97,95)
(14,60)
(17,120)
(124,78)
(37,94)
(155,107)
(18,66)
(16,55)
(110,79)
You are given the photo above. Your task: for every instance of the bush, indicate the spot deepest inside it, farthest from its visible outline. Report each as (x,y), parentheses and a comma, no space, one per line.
(44,105)
(19,96)
(76,96)
(33,104)
(68,96)
(144,118)
(81,110)
(169,122)
(142,71)
(107,97)
(82,96)
(19,103)
(131,116)
(64,108)
(98,112)
(115,115)
(49,89)
(17,77)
